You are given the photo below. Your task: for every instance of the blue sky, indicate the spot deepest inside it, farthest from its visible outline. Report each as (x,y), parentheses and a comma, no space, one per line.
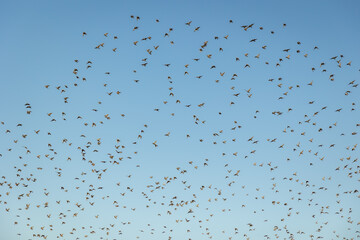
(40,41)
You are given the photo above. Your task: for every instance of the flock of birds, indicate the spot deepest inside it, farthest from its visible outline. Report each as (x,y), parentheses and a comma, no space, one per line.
(265,158)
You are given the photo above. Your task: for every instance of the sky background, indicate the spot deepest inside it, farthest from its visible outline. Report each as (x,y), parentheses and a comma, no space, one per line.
(39,43)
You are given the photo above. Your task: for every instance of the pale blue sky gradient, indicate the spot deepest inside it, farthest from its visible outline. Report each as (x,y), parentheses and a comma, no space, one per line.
(38,44)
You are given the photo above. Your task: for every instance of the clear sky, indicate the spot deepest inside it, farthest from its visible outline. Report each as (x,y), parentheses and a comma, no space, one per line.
(232,149)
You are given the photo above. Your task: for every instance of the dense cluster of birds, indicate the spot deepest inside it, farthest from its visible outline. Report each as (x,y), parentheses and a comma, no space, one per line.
(228,153)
